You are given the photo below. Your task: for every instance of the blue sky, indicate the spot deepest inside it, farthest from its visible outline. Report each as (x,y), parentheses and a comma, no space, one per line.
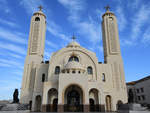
(68,17)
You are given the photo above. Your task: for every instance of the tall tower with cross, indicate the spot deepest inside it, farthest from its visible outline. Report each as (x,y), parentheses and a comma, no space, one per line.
(112,53)
(35,54)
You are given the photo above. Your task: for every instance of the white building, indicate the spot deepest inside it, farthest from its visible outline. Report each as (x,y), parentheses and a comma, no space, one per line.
(73,79)
(140,90)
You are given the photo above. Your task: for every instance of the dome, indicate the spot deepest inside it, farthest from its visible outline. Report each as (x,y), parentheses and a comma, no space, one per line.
(74,65)
(73,44)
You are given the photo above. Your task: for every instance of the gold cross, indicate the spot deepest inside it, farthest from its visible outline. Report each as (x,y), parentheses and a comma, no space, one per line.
(40,7)
(107,8)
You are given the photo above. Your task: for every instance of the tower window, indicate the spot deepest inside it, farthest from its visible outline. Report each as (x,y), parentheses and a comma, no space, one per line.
(73,58)
(43,77)
(57,70)
(90,70)
(37,19)
(103,77)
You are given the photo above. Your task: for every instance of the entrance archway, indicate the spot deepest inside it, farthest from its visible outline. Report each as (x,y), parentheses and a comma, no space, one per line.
(119,104)
(52,100)
(94,100)
(73,99)
(38,103)
(108,103)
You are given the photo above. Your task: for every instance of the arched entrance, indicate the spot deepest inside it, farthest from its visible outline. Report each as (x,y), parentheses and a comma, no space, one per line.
(108,103)
(52,100)
(73,99)
(38,103)
(119,104)
(94,100)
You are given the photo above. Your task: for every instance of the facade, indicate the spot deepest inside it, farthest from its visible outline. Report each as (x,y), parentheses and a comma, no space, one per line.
(73,79)
(140,91)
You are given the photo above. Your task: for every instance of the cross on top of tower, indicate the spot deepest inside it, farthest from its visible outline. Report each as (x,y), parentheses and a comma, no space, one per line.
(107,8)
(40,7)
(73,38)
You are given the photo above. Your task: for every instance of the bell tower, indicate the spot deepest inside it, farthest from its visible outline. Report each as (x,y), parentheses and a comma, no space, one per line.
(112,53)
(37,34)
(35,52)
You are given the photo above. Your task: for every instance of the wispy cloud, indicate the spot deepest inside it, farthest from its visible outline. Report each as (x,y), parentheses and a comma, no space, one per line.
(12,36)
(11,54)
(13,48)
(141,17)
(31,5)
(89,28)
(10,23)
(10,63)
(122,22)
(53,45)
(74,6)
(146,36)
(56,30)
(4,6)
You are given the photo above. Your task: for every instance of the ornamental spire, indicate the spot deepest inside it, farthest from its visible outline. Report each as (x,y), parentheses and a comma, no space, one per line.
(73,38)
(40,7)
(107,8)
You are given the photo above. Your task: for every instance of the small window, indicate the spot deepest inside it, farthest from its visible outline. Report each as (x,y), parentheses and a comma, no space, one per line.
(143,97)
(137,90)
(73,71)
(67,71)
(43,77)
(57,70)
(89,70)
(142,90)
(73,58)
(37,19)
(139,98)
(103,77)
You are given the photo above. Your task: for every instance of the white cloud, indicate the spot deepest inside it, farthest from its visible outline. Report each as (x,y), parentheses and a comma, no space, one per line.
(56,31)
(31,5)
(146,36)
(141,18)
(12,36)
(6,22)
(10,63)
(13,48)
(4,6)
(121,18)
(89,28)
(127,42)
(49,43)
(74,6)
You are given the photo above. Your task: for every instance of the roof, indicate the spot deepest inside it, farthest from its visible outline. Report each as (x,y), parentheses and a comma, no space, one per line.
(73,44)
(137,81)
(39,13)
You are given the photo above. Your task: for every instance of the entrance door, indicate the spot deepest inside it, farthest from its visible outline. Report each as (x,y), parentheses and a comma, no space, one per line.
(73,99)
(92,105)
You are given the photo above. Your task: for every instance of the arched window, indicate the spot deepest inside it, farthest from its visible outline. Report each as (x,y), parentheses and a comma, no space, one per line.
(57,70)
(89,70)
(37,19)
(103,77)
(73,58)
(43,77)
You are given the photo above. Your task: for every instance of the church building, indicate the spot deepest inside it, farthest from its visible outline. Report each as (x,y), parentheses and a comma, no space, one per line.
(73,79)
